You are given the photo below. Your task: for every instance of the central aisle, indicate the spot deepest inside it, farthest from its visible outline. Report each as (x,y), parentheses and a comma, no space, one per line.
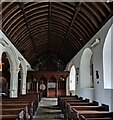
(48,110)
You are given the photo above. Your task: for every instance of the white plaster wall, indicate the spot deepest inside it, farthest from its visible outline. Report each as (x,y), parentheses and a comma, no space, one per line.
(98,93)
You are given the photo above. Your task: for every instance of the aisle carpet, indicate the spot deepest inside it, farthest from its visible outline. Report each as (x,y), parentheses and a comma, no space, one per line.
(48,110)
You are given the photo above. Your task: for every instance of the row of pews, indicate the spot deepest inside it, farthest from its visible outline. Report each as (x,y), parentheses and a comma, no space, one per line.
(21,108)
(77,108)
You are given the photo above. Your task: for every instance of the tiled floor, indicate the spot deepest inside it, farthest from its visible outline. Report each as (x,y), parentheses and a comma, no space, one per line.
(48,110)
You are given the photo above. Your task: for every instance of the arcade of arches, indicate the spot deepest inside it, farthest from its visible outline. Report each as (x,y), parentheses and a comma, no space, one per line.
(88,74)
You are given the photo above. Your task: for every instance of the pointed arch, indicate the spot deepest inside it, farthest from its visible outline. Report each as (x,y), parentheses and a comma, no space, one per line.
(72,79)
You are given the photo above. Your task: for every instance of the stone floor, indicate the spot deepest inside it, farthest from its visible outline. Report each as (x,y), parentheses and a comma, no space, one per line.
(48,110)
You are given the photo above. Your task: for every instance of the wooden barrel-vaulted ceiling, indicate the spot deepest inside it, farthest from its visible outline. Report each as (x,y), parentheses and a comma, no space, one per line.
(57,29)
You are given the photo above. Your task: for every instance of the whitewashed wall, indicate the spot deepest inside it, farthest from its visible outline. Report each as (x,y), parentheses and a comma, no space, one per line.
(97,93)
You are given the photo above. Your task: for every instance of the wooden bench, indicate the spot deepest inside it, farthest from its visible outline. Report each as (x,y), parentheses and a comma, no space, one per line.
(60,98)
(69,105)
(64,100)
(109,117)
(30,100)
(9,117)
(78,114)
(19,110)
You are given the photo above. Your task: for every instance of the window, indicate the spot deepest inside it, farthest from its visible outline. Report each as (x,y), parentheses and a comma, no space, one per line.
(107,60)
(72,77)
(86,69)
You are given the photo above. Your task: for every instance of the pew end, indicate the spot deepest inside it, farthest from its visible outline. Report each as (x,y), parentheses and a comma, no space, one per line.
(106,106)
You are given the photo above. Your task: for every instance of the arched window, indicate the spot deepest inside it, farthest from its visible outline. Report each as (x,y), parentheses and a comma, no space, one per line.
(86,69)
(72,79)
(107,60)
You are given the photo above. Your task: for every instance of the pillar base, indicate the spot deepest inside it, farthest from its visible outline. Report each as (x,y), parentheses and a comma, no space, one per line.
(23,92)
(13,94)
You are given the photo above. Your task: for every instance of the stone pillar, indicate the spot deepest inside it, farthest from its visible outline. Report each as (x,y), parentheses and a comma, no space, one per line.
(14,83)
(23,84)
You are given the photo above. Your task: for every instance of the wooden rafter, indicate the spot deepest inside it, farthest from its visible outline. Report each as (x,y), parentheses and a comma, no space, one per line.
(21,5)
(77,8)
(49,23)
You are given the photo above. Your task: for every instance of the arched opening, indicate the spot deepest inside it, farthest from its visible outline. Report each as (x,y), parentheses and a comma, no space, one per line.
(86,69)
(107,60)
(5,77)
(72,80)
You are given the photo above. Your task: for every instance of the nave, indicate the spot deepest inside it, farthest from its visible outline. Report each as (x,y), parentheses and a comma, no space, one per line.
(54,49)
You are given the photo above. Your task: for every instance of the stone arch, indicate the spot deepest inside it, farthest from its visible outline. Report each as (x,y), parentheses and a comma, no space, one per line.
(23,73)
(12,57)
(14,65)
(85,78)
(2,48)
(13,61)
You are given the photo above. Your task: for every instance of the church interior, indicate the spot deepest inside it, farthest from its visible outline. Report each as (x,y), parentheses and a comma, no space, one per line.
(56,60)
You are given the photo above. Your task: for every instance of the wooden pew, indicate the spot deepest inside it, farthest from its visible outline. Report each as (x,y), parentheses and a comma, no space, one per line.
(60,98)
(9,117)
(99,108)
(63,98)
(13,105)
(21,115)
(28,103)
(74,102)
(108,117)
(90,114)
(72,99)
(30,100)
(69,105)
(106,106)
(18,110)
(15,108)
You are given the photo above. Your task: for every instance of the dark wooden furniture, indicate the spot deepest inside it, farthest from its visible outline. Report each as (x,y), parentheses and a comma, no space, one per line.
(54,82)
(21,108)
